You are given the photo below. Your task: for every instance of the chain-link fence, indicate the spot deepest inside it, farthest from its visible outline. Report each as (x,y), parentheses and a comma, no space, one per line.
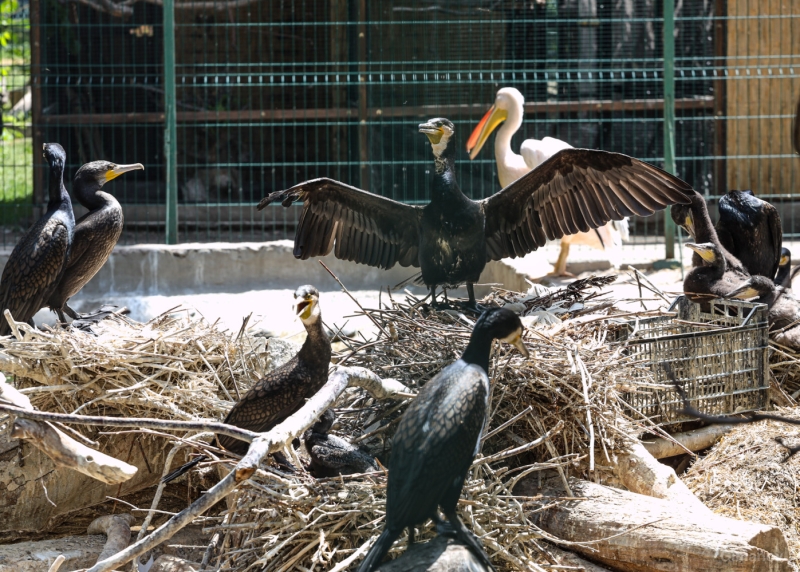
(269,93)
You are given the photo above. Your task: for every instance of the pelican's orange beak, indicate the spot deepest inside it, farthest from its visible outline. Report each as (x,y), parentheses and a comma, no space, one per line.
(480,134)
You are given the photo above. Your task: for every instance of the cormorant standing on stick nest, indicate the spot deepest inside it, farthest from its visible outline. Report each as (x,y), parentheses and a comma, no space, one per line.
(750,229)
(38,260)
(438,437)
(284,390)
(711,278)
(96,232)
(452,237)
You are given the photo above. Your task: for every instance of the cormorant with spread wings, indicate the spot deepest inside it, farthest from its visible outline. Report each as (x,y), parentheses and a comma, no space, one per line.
(453,237)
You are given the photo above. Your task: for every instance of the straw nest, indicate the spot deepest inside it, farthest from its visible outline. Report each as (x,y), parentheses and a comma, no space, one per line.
(744,476)
(556,411)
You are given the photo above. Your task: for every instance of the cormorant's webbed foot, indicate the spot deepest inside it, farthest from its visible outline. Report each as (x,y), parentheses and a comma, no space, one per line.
(86,321)
(443,528)
(469,539)
(471,305)
(284,463)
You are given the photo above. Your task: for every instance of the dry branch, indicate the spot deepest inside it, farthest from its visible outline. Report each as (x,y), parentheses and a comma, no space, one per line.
(117,528)
(265,443)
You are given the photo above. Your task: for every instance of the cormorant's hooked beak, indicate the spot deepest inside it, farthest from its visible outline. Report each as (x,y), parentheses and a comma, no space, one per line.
(744,292)
(304,307)
(704,250)
(783,261)
(433,132)
(494,117)
(689,224)
(121,170)
(515,340)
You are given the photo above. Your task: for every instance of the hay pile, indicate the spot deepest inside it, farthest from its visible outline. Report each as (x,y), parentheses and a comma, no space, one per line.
(744,476)
(557,411)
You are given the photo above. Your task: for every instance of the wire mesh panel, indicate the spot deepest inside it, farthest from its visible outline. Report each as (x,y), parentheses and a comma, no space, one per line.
(719,357)
(270,93)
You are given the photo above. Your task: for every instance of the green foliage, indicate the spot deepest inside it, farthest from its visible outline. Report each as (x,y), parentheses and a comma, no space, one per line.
(16,180)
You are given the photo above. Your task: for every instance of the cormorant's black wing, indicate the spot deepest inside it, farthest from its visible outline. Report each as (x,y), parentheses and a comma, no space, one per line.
(366,228)
(775,234)
(32,270)
(574,191)
(435,443)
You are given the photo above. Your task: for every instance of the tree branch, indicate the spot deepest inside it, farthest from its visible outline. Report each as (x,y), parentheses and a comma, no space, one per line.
(262,445)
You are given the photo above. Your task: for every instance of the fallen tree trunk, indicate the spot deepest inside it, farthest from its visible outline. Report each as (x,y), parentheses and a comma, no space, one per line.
(439,555)
(634,533)
(117,528)
(695,440)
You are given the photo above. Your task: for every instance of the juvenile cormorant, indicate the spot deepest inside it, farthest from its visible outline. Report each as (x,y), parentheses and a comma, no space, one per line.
(284,390)
(784,308)
(438,437)
(785,273)
(694,219)
(750,229)
(711,278)
(508,109)
(452,237)
(38,260)
(96,232)
(331,455)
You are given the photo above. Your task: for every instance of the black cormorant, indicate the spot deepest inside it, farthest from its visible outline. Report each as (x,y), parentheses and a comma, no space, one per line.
(438,437)
(750,229)
(784,308)
(38,260)
(331,455)
(452,237)
(96,232)
(785,273)
(711,278)
(284,390)
(695,220)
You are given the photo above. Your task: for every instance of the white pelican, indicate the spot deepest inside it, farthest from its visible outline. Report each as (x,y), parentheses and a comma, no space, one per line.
(508,107)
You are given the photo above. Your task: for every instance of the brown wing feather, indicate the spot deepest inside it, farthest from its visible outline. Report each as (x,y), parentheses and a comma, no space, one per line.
(355,224)
(574,191)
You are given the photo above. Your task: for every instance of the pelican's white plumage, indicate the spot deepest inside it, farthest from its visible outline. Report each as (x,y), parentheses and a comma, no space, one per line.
(508,110)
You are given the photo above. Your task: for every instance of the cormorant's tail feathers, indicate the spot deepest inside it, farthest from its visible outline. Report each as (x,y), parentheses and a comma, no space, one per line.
(378,550)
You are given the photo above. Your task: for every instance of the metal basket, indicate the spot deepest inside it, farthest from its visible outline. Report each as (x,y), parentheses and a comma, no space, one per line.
(719,357)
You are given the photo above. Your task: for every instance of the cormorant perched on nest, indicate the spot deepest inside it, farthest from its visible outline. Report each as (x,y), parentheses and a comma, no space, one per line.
(785,273)
(452,237)
(750,229)
(331,455)
(438,437)
(784,308)
(695,220)
(96,232)
(38,260)
(284,390)
(711,278)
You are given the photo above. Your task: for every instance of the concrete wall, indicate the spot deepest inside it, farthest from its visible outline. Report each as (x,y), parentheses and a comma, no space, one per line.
(162,270)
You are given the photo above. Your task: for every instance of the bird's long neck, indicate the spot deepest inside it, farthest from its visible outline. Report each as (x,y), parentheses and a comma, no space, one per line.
(502,141)
(89,194)
(317,347)
(478,349)
(58,195)
(445,186)
(703,229)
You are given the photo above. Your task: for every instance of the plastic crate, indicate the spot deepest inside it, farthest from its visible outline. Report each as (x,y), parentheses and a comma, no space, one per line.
(719,357)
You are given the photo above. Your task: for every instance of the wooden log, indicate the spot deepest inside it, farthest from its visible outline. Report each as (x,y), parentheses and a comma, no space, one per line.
(67,452)
(60,447)
(79,552)
(117,528)
(695,440)
(639,472)
(439,555)
(634,533)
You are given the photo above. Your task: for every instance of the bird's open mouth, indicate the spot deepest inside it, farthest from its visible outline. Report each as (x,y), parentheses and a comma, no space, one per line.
(301,306)
(433,132)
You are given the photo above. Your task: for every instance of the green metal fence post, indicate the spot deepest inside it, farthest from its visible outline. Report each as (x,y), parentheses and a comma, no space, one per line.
(669,114)
(170,123)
